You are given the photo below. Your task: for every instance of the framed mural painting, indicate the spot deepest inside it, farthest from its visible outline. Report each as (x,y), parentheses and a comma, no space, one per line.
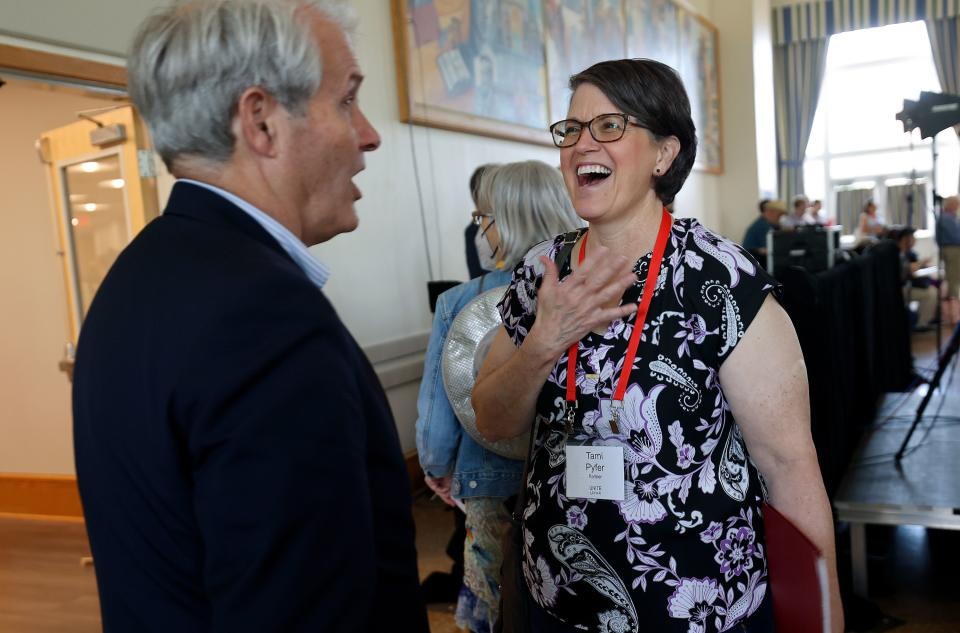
(699,67)
(473,66)
(670,33)
(578,34)
(652,31)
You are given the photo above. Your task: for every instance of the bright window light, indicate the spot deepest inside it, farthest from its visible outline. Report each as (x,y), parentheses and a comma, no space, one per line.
(856,136)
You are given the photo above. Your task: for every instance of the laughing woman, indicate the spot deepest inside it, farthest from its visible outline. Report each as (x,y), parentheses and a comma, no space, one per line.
(665,382)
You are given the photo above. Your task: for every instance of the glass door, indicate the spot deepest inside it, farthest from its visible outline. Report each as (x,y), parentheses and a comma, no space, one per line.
(104,191)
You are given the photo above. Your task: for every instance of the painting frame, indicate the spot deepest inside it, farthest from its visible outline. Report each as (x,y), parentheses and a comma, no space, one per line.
(690,36)
(676,34)
(703,83)
(574,39)
(418,107)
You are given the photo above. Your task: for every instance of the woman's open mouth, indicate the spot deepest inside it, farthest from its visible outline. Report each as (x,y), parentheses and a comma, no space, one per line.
(589,175)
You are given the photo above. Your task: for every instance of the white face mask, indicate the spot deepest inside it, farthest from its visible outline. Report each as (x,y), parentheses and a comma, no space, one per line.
(486,254)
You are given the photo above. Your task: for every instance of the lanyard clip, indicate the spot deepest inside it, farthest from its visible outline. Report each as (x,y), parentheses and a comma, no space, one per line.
(615,409)
(571,416)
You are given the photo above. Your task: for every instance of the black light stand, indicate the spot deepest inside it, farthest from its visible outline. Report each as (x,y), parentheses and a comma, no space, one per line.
(938,252)
(932,113)
(942,364)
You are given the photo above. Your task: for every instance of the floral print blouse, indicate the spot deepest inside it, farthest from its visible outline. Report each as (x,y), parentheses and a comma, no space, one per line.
(684,550)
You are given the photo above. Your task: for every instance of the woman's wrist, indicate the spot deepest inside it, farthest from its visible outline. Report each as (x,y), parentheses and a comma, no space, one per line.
(535,353)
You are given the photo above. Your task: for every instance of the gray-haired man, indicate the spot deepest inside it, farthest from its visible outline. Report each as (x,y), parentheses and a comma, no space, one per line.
(237,460)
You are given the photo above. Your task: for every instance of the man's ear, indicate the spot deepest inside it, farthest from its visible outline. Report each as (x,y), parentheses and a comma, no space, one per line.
(256,123)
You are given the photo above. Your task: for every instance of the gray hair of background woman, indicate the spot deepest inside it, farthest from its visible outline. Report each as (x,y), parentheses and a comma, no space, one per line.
(190,62)
(529,204)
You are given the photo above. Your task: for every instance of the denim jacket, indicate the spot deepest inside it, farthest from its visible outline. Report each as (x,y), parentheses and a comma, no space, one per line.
(442,445)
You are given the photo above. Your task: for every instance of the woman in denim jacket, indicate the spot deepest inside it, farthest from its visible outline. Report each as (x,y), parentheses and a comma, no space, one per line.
(518,205)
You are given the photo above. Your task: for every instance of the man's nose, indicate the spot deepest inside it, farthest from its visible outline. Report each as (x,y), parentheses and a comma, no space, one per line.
(368,135)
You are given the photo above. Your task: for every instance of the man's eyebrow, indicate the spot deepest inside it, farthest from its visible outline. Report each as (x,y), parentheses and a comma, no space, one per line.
(355,79)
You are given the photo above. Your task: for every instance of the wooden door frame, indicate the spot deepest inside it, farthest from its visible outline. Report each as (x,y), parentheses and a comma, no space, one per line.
(57,66)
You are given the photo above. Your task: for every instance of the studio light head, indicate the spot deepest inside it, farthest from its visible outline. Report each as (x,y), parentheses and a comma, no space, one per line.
(934,112)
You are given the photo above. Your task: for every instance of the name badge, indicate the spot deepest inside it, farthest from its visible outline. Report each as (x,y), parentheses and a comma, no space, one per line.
(595,472)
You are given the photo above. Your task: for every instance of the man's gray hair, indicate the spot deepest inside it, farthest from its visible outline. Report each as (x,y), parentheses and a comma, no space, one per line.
(190,62)
(529,203)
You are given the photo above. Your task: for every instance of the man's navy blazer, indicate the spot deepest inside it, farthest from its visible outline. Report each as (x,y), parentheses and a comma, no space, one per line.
(237,460)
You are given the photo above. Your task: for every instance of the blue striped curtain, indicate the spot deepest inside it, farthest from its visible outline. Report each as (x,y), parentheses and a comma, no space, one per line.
(944,35)
(822,18)
(801,33)
(797,75)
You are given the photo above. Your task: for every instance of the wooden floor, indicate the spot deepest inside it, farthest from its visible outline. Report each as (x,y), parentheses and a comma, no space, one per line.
(45,589)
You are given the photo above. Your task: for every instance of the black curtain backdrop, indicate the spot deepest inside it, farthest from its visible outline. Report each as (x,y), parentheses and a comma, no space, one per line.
(854,332)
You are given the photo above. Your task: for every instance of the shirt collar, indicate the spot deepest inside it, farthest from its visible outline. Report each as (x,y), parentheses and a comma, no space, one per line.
(314,269)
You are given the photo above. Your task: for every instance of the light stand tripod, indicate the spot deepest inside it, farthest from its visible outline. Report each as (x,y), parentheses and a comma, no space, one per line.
(937,209)
(942,364)
(932,113)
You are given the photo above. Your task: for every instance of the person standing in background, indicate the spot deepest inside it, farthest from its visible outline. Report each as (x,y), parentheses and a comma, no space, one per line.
(441,586)
(470,234)
(518,205)
(948,238)
(238,464)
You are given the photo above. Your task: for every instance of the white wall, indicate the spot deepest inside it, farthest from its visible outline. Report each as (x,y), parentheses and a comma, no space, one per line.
(747,92)
(700,193)
(380,271)
(764,108)
(93,26)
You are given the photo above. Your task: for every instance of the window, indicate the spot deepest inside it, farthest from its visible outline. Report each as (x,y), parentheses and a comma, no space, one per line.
(857,147)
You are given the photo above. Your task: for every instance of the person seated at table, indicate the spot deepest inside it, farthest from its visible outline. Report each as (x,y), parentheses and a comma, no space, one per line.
(915,288)
(869,228)
(798,217)
(816,215)
(755,239)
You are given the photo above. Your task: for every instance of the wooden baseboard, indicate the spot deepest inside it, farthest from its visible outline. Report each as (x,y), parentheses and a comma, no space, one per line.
(40,496)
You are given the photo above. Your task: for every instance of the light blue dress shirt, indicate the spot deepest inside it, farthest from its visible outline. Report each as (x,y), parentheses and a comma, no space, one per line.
(314,269)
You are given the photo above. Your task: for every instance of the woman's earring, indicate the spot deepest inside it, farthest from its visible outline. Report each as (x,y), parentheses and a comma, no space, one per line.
(656,171)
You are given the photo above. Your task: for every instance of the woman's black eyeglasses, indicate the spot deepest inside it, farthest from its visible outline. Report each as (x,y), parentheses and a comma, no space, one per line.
(605,128)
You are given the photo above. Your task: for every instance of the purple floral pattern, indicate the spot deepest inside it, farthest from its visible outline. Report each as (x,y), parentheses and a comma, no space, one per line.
(687,539)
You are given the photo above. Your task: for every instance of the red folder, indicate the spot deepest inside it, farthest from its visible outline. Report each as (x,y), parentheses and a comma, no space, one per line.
(797,573)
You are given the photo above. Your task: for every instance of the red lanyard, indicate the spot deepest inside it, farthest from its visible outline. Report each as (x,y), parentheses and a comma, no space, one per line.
(666,222)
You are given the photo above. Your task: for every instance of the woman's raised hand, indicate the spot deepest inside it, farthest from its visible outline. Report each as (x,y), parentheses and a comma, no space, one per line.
(583,301)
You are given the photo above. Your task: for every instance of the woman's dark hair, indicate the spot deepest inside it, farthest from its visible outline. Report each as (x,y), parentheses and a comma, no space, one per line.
(475,181)
(653,94)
